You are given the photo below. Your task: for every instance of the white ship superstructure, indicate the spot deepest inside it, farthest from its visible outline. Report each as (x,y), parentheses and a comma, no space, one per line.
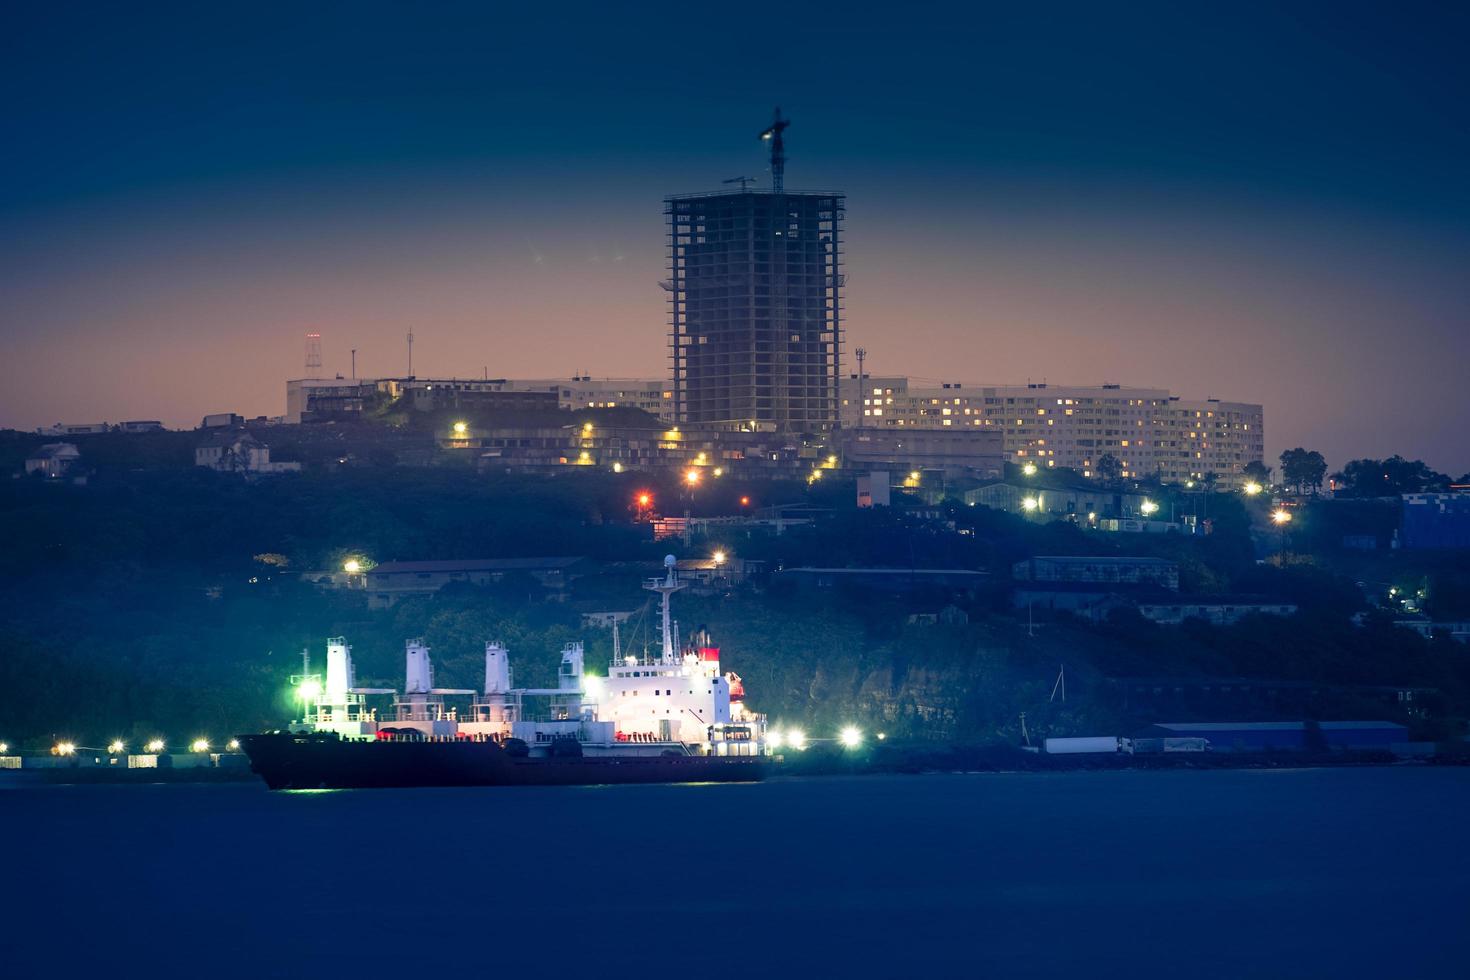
(676,702)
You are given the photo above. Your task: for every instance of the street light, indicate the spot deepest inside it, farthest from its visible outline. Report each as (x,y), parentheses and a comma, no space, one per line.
(1252,488)
(64,748)
(850,737)
(199,745)
(1029,469)
(691,477)
(352,566)
(1281,516)
(116,747)
(460,428)
(719,557)
(154,746)
(1148,507)
(1030,503)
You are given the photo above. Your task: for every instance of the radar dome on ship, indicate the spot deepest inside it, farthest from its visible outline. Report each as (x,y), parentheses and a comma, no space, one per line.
(670,561)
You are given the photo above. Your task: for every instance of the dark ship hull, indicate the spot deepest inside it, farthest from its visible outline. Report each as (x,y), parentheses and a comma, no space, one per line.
(308,761)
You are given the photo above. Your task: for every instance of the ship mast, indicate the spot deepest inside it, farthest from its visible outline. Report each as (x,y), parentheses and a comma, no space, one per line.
(666,587)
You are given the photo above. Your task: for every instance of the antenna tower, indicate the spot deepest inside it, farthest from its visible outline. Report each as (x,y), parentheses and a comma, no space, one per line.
(313,355)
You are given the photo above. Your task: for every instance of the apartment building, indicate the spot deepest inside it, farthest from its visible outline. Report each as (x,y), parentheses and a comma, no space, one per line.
(1149,431)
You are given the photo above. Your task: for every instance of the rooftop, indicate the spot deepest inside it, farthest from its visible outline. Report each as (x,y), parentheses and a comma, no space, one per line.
(1274,726)
(475,565)
(1104,559)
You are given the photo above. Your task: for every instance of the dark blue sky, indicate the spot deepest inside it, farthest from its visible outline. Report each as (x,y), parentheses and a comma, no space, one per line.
(1242,201)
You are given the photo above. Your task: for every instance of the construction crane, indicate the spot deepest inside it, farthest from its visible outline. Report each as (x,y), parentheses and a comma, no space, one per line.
(778,151)
(742,181)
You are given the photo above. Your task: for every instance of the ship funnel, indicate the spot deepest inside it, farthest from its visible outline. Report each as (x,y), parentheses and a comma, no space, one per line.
(497,668)
(569,677)
(420,673)
(340,677)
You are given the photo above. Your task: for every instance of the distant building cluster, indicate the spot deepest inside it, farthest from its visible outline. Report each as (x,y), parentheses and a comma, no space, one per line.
(320,399)
(96,428)
(1150,432)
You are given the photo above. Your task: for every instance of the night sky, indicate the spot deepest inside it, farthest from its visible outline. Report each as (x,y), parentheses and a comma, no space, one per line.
(1228,200)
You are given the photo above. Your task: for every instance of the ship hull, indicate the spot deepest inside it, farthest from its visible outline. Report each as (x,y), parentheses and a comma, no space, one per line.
(291,761)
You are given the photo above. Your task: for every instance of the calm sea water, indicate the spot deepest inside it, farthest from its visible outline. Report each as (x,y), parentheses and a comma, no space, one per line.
(1339,873)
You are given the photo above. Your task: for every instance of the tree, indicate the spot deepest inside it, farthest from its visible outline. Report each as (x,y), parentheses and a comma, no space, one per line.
(1388,477)
(1303,469)
(1257,471)
(1109,468)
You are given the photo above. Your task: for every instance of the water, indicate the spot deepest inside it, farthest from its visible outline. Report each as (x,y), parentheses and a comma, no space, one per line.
(1309,873)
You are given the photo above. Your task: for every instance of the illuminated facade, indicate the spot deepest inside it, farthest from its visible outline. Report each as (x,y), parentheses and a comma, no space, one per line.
(1149,431)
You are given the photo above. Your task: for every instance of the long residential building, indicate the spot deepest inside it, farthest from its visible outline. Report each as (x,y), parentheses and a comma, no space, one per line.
(312,399)
(1151,432)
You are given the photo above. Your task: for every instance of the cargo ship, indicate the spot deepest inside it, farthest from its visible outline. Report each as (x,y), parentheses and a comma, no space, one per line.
(670,717)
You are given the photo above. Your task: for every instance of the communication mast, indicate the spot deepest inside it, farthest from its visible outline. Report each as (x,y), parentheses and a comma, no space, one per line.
(313,355)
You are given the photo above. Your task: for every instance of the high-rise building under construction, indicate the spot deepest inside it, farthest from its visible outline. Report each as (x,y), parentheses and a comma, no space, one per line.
(755,304)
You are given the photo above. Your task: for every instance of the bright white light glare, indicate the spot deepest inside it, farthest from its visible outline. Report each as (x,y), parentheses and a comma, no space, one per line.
(460,428)
(199,745)
(155,746)
(773,739)
(850,737)
(796,738)
(1029,469)
(309,690)
(1281,516)
(1148,506)
(116,746)
(233,745)
(881,736)
(1252,488)
(352,566)
(719,557)
(1030,503)
(65,748)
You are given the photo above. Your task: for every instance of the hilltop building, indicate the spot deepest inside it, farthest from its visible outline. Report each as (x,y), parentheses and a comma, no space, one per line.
(319,399)
(240,452)
(1151,432)
(53,460)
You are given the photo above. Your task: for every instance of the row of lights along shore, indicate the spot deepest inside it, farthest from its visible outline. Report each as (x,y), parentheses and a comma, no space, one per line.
(850,737)
(118,747)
